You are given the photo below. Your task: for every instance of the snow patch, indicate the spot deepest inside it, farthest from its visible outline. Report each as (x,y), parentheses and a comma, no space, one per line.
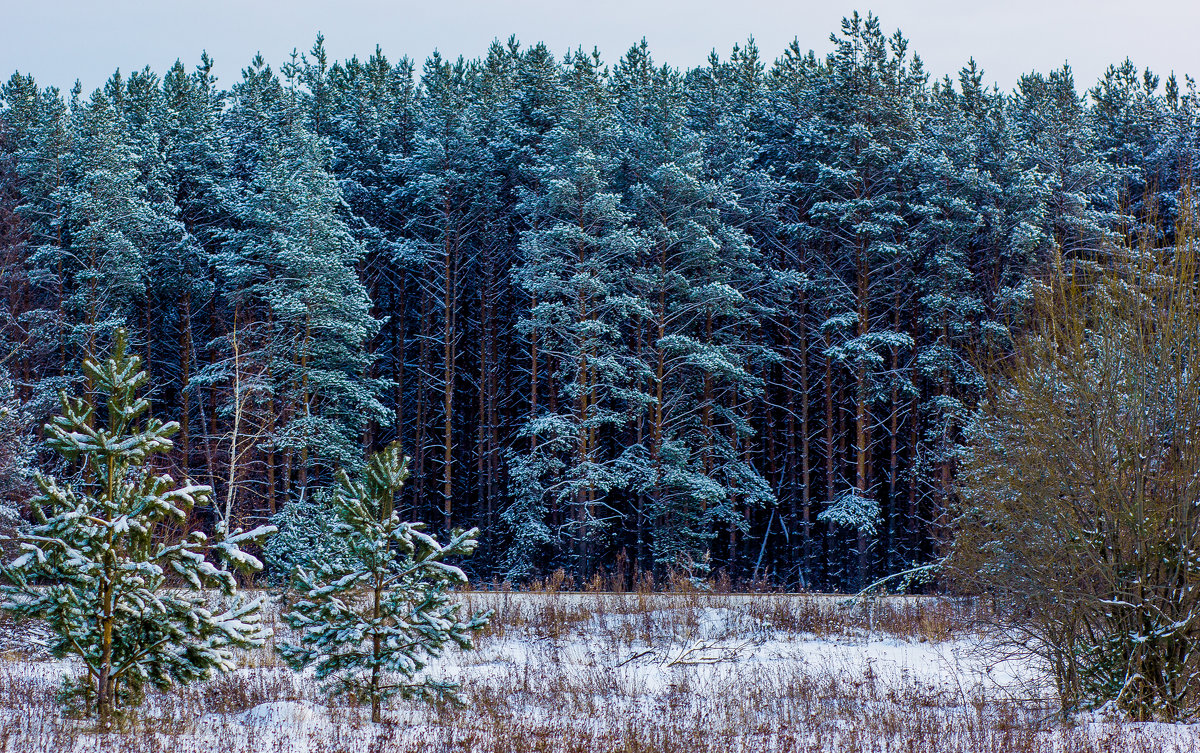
(279,714)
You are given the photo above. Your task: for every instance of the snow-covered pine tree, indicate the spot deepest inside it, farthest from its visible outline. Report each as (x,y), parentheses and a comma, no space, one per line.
(301,316)
(94,564)
(786,131)
(728,108)
(866,96)
(371,622)
(517,100)
(967,259)
(1179,147)
(16,454)
(194,161)
(177,267)
(438,201)
(1131,128)
(35,142)
(575,256)
(366,110)
(692,276)
(112,225)
(1056,138)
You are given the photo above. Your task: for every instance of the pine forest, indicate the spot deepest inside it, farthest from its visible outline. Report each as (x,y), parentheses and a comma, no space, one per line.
(626,319)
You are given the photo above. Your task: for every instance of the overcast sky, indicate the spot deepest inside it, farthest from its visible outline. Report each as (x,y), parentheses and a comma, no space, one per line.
(62,40)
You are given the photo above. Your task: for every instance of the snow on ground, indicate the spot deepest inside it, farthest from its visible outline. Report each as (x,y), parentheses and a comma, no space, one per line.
(578,673)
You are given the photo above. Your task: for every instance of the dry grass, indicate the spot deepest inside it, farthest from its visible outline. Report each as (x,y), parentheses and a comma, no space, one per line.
(542,615)
(687,671)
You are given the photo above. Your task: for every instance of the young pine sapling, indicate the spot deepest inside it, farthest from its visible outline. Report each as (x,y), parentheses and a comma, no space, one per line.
(371,621)
(94,564)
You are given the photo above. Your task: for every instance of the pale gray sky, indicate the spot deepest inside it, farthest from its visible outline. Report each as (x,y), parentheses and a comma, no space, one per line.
(61,40)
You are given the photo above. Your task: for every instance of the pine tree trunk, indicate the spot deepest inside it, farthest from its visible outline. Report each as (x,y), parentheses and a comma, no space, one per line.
(805,469)
(271,425)
(790,482)
(421,388)
(376,651)
(271,482)
(493,425)
(656,430)
(774,476)
(306,401)
(210,435)
(104,682)
(830,448)
(893,445)
(398,358)
(862,431)
(913,522)
(185,370)
(448,358)
(640,438)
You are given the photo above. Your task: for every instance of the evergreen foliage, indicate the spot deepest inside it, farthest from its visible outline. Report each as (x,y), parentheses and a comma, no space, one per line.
(624,317)
(288,265)
(371,622)
(305,535)
(94,564)
(574,253)
(16,458)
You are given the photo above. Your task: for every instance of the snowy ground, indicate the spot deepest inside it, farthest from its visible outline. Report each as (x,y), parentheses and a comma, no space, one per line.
(629,673)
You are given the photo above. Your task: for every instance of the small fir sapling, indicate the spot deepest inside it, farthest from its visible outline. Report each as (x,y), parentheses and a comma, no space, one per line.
(370,622)
(94,564)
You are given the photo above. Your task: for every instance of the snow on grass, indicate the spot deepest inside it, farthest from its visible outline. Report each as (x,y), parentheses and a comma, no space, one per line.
(633,672)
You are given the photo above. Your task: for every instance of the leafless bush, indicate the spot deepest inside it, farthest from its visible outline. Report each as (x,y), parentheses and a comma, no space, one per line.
(1080,487)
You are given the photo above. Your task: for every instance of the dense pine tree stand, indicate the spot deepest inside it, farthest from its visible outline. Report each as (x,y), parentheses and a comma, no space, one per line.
(94,564)
(725,320)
